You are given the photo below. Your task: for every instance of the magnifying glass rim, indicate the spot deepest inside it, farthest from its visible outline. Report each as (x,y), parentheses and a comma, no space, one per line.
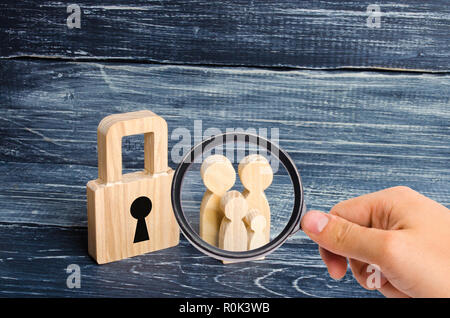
(193,237)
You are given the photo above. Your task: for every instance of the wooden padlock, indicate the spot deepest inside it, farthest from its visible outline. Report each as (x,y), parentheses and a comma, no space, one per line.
(131,214)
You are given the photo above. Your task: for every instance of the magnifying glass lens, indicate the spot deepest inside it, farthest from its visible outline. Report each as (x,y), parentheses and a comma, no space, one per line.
(236,195)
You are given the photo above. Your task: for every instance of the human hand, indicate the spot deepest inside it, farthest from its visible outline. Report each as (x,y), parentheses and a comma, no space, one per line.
(403,232)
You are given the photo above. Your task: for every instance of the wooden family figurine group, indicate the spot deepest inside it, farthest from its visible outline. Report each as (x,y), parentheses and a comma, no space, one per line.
(231,220)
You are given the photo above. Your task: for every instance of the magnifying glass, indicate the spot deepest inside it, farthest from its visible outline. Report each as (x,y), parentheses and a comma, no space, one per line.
(237,197)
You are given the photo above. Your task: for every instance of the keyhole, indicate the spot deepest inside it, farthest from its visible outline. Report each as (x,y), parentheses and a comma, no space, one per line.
(140,208)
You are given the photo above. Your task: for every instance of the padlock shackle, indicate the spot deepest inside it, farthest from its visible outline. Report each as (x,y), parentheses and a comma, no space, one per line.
(113,128)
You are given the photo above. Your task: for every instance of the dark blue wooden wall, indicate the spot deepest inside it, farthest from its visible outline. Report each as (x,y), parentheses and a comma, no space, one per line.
(358,109)
(306,34)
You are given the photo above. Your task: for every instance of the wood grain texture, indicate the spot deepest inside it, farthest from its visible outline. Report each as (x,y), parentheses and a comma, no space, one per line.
(112,228)
(349,133)
(306,34)
(112,225)
(295,270)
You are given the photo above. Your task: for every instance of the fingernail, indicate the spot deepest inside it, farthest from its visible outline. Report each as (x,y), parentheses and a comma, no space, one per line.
(314,221)
(337,279)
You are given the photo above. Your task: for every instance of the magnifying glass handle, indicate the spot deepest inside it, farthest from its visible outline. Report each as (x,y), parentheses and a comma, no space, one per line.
(298,226)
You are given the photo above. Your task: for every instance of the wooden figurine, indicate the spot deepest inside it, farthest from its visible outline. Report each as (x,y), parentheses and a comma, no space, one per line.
(218,176)
(233,233)
(256,175)
(130,214)
(256,223)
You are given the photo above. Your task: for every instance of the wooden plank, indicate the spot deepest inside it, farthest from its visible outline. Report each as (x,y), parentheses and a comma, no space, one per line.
(348,133)
(35,266)
(413,34)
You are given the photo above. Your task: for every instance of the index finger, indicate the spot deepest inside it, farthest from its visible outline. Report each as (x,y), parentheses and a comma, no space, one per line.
(374,209)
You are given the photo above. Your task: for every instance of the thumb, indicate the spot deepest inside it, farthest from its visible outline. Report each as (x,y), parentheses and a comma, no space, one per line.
(345,238)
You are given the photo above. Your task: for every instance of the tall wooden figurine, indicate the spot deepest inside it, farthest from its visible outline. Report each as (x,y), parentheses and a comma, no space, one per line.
(218,176)
(256,175)
(130,214)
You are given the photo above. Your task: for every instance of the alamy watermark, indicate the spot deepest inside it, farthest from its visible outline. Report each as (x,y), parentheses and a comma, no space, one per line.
(374,18)
(74,278)
(74,19)
(235,150)
(374,279)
